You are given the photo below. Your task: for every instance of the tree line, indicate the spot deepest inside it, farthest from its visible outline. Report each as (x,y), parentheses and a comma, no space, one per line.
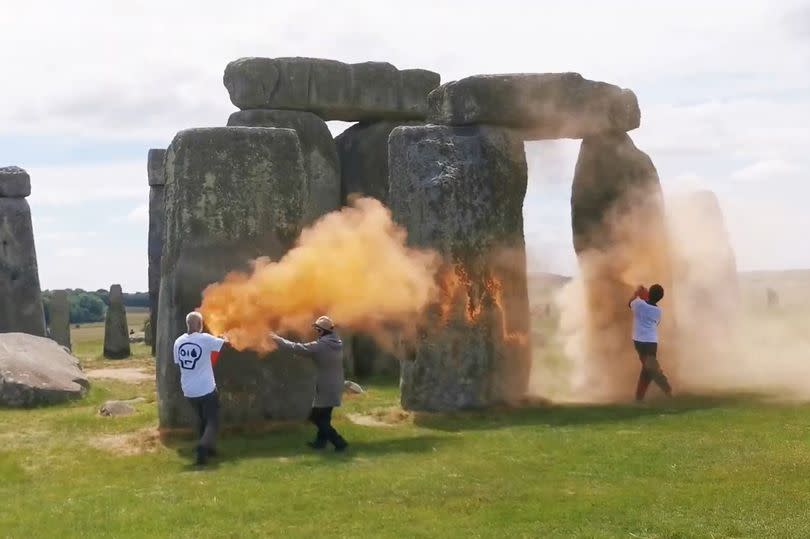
(88,306)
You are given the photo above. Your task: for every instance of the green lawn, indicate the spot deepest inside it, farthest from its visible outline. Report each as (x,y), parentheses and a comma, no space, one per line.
(88,339)
(691,467)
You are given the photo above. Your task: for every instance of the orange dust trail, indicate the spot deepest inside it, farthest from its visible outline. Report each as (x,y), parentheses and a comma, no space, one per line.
(353,265)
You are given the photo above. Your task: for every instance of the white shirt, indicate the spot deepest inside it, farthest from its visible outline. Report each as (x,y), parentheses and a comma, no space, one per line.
(646,318)
(192,352)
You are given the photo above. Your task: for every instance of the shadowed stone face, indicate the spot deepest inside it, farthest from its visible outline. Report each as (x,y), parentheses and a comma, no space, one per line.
(20,295)
(363,151)
(369,91)
(116,331)
(232,194)
(460,191)
(541,105)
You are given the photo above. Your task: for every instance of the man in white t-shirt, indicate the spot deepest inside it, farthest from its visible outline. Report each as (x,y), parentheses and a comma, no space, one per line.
(193,354)
(646,317)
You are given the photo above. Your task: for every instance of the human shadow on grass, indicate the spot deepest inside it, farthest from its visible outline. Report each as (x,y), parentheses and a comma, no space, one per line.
(564,415)
(291,444)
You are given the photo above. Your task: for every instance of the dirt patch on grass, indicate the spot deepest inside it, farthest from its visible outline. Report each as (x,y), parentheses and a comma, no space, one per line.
(129,444)
(385,417)
(125,374)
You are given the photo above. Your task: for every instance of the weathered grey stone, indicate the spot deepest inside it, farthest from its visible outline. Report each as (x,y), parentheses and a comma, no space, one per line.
(157,223)
(154,167)
(460,190)
(60,318)
(621,240)
(612,179)
(20,295)
(543,105)
(119,408)
(370,359)
(232,194)
(353,387)
(116,331)
(320,155)
(35,371)
(14,183)
(363,151)
(333,90)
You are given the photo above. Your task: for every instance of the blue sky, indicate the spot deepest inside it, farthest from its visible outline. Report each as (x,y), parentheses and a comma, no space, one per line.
(91,86)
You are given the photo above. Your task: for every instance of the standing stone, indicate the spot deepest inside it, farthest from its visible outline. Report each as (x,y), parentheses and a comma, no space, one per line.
(232,194)
(705,276)
(60,318)
(20,296)
(363,151)
(368,91)
(620,237)
(14,183)
(320,156)
(116,332)
(543,105)
(460,191)
(157,223)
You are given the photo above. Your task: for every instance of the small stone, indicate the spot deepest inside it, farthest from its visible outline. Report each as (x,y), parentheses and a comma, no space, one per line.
(119,408)
(353,387)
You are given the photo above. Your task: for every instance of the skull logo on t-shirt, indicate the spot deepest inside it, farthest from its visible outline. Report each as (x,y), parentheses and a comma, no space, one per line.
(189,353)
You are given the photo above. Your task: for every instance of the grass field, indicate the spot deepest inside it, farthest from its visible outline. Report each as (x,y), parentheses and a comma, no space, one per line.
(687,468)
(88,339)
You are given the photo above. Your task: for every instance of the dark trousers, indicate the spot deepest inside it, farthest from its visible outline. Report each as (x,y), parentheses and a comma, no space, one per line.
(207,409)
(650,369)
(322,418)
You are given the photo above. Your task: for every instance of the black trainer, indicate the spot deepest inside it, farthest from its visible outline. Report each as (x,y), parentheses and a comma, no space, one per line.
(202,456)
(341,446)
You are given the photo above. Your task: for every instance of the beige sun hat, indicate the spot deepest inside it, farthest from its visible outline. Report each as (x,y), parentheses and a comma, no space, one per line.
(325,323)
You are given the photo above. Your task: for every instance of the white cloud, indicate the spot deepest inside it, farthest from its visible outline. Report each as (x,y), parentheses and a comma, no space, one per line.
(772,169)
(154,68)
(66,185)
(139,214)
(723,88)
(71,252)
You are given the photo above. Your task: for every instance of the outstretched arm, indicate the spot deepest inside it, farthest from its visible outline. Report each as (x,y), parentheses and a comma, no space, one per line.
(639,293)
(307,349)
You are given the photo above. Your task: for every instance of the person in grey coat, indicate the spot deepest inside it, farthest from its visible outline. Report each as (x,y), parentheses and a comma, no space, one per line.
(327,353)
